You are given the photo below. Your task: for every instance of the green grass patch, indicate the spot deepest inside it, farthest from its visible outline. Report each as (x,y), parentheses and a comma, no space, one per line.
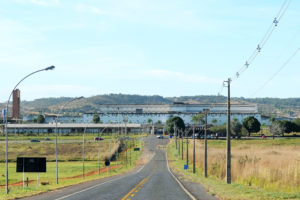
(67,170)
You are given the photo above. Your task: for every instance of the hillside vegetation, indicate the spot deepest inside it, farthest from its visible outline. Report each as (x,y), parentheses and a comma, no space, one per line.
(267,106)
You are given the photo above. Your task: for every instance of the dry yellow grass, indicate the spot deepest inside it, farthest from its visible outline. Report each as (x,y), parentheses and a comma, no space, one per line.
(265,166)
(66,151)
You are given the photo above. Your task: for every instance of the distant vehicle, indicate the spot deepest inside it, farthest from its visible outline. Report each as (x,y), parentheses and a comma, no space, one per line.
(47,139)
(160,137)
(98,138)
(34,140)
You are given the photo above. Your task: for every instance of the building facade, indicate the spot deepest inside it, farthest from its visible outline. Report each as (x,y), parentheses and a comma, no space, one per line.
(143,113)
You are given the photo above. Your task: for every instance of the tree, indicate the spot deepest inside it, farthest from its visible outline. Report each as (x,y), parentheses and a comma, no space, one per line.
(221,130)
(179,123)
(96,118)
(236,127)
(289,126)
(158,122)
(277,128)
(297,124)
(272,119)
(198,119)
(40,119)
(251,124)
(149,120)
(214,121)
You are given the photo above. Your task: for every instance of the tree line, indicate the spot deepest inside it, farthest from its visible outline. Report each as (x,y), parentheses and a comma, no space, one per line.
(248,126)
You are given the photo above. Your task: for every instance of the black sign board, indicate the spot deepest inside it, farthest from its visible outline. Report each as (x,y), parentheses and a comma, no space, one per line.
(107,163)
(136,149)
(31,164)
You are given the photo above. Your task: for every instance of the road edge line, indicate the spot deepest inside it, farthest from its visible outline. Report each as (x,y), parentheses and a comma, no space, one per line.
(180,184)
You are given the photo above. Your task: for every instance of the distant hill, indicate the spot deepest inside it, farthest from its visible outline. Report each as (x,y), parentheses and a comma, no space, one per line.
(267,106)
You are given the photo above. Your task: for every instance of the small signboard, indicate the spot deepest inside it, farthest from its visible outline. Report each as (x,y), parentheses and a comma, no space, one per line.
(4,115)
(136,149)
(31,164)
(107,163)
(185,167)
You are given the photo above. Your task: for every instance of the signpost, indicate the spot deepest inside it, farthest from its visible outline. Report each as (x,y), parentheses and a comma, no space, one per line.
(31,164)
(185,167)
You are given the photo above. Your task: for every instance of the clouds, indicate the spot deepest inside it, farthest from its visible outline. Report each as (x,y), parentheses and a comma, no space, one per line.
(138,46)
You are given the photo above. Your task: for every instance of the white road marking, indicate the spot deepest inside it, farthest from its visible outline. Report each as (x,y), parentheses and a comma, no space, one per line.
(180,184)
(64,197)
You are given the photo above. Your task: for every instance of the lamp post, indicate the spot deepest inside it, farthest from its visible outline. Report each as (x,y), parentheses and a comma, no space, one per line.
(83,151)
(99,150)
(56,121)
(6,116)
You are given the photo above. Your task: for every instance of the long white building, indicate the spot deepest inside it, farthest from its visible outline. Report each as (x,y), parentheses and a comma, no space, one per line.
(141,113)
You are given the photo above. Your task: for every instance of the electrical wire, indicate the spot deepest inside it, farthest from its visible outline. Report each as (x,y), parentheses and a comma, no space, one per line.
(277,72)
(286,46)
(264,40)
(259,47)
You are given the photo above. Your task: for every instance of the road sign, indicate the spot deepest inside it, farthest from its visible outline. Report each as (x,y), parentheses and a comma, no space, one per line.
(31,164)
(4,115)
(107,163)
(185,167)
(136,149)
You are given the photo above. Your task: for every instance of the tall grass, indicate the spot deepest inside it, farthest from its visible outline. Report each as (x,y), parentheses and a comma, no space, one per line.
(66,151)
(272,167)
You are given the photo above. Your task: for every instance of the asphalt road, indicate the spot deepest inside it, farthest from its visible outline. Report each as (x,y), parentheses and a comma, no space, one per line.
(151,181)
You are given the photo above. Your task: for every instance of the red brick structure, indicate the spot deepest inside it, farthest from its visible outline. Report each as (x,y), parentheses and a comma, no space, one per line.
(16,104)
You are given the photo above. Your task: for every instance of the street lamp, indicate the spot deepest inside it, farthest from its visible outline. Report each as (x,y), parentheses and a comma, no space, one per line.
(99,135)
(56,121)
(6,115)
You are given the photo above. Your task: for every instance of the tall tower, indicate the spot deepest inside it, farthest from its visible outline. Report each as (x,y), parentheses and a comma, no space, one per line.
(16,104)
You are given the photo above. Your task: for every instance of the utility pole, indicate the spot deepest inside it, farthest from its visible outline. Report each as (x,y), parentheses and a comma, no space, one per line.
(187,149)
(194,152)
(228,137)
(205,142)
(178,143)
(175,135)
(130,152)
(83,152)
(181,145)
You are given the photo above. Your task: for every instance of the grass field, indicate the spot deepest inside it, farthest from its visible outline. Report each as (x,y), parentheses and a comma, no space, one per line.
(261,169)
(70,164)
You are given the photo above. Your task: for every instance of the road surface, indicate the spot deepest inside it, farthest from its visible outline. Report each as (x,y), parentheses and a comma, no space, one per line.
(151,181)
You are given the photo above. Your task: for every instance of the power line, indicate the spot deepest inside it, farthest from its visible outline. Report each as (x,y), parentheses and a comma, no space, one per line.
(259,47)
(286,46)
(282,66)
(264,39)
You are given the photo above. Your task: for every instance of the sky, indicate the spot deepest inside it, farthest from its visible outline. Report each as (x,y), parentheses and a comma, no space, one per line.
(158,47)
